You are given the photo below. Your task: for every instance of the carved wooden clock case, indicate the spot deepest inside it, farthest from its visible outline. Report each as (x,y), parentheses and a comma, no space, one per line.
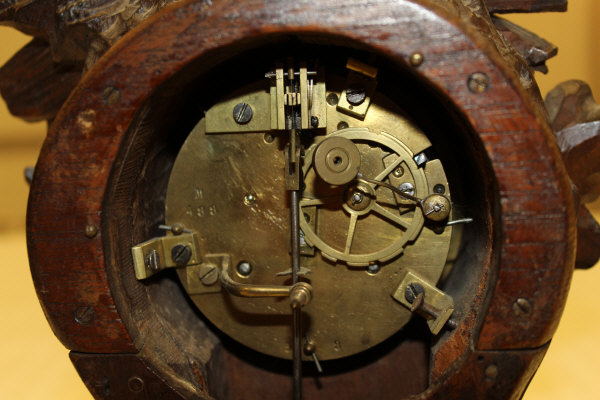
(274,199)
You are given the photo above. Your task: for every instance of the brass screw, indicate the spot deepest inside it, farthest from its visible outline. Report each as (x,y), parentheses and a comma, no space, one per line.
(416,59)
(91,230)
(398,172)
(491,371)
(269,138)
(342,125)
(136,384)
(478,82)
(208,274)
(111,95)
(249,199)
(332,99)
(84,315)
(522,307)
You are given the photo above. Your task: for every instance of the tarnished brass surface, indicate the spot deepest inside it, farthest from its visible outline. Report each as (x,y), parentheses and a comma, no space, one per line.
(230,189)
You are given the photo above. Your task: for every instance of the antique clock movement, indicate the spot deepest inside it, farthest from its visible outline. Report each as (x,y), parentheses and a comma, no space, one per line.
(272,200)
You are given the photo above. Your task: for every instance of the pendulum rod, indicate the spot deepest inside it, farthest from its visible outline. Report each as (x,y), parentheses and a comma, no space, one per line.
(293,184)
(296,311)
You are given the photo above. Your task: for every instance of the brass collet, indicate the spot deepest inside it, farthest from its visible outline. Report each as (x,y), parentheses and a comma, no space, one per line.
(300,295)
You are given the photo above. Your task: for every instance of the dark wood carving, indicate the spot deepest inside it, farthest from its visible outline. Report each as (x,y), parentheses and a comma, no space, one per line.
(532,47)
(77,31)
(33,85)
(70,37)
(575,117)
(580,147)
(571,103)
(588,239)
(35,18)
(94,164)
(508,6)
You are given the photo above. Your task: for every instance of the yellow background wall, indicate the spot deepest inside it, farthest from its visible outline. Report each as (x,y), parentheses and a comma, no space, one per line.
(34,365)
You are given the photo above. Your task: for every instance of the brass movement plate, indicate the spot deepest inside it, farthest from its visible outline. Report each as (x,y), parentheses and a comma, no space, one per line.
(230,189)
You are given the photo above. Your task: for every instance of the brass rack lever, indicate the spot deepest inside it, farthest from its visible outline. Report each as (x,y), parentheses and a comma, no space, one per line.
(300,294)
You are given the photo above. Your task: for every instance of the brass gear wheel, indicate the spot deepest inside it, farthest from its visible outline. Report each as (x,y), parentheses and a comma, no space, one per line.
(362,200)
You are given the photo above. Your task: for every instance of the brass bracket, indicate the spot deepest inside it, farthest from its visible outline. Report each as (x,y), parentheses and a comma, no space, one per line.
(172,251)
(266,110)
(360,86)
(418,295)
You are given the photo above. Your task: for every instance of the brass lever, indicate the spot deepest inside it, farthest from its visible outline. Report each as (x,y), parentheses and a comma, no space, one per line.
(300,294)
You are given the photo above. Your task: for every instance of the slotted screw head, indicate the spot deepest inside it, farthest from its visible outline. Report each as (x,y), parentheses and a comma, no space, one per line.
(478,82)
(153,260)
(522,307)
(356,95)
(242,113)
(412,291)
(181,254)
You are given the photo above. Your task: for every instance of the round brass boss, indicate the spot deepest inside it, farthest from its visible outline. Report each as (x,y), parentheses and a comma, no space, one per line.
(437,207)
(337,160)
(359,198)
